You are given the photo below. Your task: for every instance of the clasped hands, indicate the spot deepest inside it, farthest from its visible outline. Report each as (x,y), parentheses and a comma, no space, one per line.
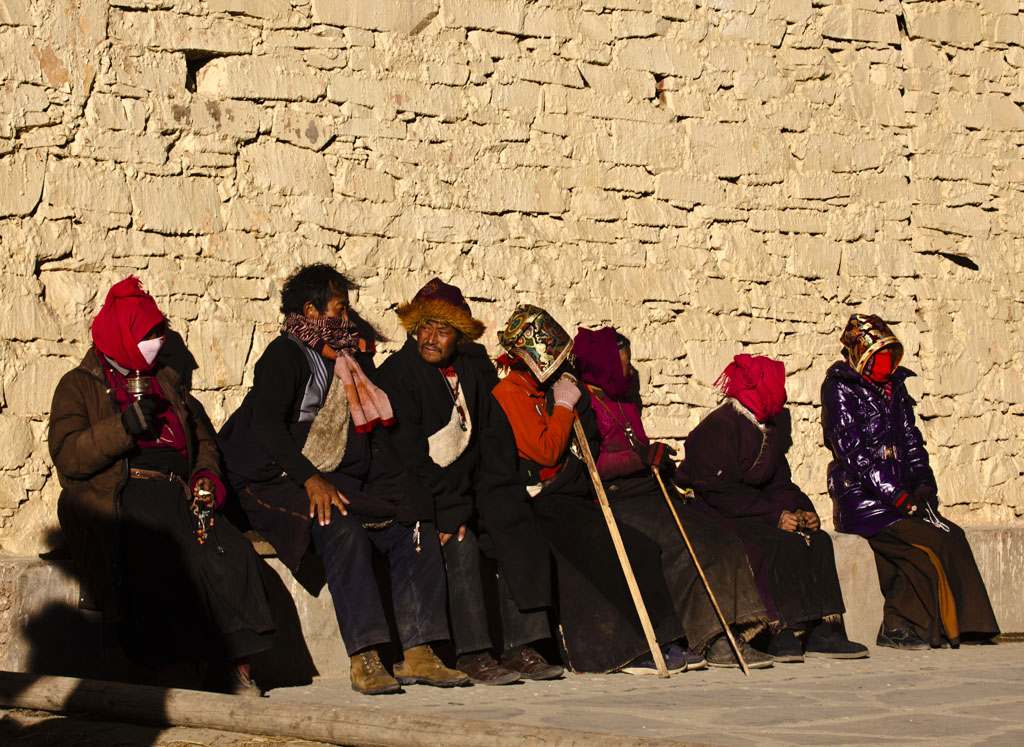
(792,521)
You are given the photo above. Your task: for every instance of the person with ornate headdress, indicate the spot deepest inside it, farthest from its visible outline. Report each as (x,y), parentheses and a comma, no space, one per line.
(883,489)
(313,470)
(139,508)
(538,503)
(442,404)
(736,465)
(626,462)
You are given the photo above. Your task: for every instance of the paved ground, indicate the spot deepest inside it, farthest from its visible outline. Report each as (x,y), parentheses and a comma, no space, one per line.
(971,696)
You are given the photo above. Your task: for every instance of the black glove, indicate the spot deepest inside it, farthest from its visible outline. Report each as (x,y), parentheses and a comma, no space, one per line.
(927,496)
(656,454)
(908,505)
(139,417)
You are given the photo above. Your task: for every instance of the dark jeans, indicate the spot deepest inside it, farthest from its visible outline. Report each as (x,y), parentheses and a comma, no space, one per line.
(417,582)
(467,610)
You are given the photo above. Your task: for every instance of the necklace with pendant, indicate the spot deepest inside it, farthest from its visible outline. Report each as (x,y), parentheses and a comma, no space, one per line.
(454,392)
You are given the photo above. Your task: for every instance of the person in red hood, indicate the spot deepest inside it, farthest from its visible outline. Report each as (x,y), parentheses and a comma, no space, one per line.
(736,465)
(141,483)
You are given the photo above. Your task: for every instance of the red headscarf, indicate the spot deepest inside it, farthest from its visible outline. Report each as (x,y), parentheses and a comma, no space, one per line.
(756,382)
(127,316)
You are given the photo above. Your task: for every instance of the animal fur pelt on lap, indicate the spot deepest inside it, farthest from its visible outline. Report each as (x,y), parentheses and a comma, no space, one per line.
(328,435)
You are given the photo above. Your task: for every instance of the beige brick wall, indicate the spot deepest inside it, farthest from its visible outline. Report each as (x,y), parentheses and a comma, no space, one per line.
(714,177)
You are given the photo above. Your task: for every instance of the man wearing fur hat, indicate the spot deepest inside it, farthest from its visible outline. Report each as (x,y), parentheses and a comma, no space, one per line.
(442,405)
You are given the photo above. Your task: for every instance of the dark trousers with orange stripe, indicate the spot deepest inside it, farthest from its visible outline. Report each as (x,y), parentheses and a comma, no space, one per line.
(931,583)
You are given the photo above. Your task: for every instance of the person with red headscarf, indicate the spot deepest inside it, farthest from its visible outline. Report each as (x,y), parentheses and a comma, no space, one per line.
(140,473)
(736,465)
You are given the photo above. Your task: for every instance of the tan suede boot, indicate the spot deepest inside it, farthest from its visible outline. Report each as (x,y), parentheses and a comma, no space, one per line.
(369,676)
(422,667)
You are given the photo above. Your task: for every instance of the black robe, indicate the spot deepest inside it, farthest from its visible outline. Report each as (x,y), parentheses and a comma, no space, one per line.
(742,480)
(262,447)
(600,628)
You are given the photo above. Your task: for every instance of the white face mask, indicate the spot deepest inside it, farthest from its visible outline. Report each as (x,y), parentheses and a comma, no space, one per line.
(150,349)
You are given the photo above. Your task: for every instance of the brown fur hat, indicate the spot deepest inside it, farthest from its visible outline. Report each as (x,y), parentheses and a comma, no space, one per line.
(437,301)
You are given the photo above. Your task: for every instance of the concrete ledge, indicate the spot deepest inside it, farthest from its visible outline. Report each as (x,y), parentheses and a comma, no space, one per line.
(42,629)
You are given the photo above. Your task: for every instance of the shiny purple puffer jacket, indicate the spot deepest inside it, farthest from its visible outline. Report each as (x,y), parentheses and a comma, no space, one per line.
(877,450)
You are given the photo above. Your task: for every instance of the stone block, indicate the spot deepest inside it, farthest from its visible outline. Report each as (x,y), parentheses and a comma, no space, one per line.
(206,115)
(962,221)
(27,317)
(946,166)
(17,438)
(730,151)
(114,113)
(661,55)
(176,205)
(841,21)
(86,185)
(30,389)
(648,211)
(221,348)
(688,190)
(519,191)
(951,23)
(139,74)
(175,32)
(255,8)
(403,95)
(15,12)
(21,175)
(404,16)
(506,16)
(285,168)
(305,129)
(590,202)
(260,78)
(814,257)
(753,29)
(365,184)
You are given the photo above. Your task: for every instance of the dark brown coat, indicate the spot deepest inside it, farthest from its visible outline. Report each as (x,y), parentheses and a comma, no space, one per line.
(90,448)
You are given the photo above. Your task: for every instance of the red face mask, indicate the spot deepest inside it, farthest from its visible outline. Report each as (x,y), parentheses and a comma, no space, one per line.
(881,366)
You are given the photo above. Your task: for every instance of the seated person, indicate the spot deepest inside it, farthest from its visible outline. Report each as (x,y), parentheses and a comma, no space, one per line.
(736,465)
(546,506)
(625,463)
(141,485)
(311,467)
(442,402)
(883,489)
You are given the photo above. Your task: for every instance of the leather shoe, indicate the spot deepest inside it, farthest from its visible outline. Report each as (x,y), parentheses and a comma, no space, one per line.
(422,667)
(829,640)
(902,638)
(720,654)
(482,669)
(369,676)
(530,665)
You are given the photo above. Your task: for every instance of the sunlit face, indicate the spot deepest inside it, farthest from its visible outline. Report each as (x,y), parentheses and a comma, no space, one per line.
(436,341)
(337,308)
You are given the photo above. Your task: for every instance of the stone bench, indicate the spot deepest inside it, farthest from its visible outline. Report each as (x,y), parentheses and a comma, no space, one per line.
(43,630)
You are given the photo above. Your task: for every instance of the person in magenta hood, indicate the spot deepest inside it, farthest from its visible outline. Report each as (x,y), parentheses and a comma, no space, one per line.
(882,488)
(736,465)
(625,462)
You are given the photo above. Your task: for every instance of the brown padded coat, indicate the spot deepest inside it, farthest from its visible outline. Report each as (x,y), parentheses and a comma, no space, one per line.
(89,447)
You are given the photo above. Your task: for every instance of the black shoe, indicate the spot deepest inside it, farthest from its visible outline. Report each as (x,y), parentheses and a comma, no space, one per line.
(785,648)
(902,638)
(720,654)
(829,640)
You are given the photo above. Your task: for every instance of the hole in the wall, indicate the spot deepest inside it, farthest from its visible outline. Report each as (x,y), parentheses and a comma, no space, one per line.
(960,260)
(194,61)
(901,24)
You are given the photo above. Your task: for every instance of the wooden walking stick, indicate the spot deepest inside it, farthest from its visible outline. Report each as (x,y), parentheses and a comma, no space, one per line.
(707,586)
(620,549)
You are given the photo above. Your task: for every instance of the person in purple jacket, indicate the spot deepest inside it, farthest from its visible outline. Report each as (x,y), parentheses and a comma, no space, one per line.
(883,489)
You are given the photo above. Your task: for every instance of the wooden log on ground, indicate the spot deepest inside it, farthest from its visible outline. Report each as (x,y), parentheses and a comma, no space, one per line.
(337,724)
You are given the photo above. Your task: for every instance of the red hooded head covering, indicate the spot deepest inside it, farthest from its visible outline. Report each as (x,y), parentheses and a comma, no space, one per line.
(756,382)
(597,356)
(127,316)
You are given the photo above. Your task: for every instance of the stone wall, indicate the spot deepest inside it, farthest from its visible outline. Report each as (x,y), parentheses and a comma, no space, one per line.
(708,176)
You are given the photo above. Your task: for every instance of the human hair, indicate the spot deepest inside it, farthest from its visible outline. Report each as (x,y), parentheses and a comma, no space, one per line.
(316,284)
(622,341)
